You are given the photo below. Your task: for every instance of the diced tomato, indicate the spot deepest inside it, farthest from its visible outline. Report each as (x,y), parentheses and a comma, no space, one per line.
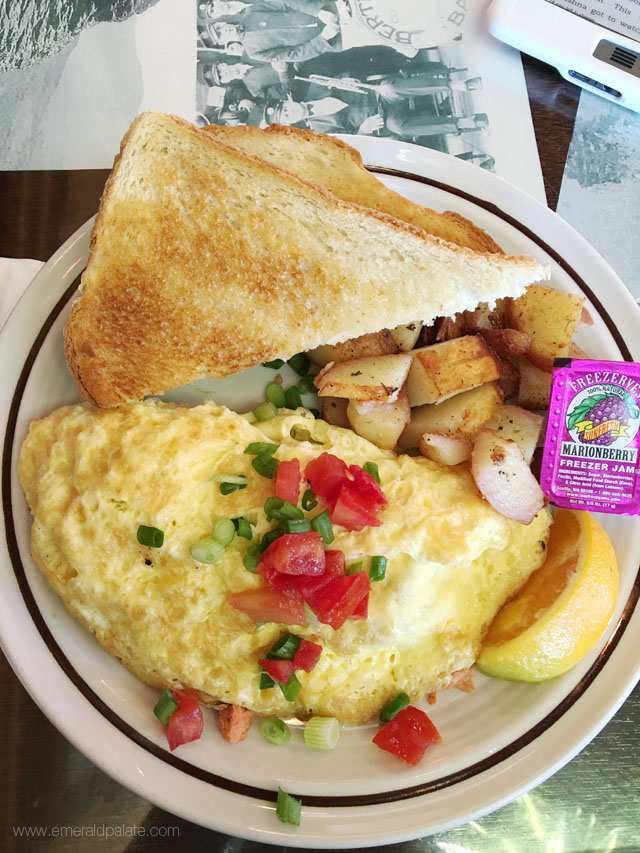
(351,511)
(294,554)
(270,605)
(366,487)
(335,563)
(279,670)
(408,735)
(186,723)
(335,602)
(326,474)
(307,655)
(362,610)
(310,587)
(288,481)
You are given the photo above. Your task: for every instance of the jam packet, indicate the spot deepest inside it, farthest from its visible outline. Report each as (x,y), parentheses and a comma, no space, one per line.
(590,456)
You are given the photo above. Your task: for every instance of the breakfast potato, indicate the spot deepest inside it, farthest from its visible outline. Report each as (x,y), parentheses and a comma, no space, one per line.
(445,449)
(406,337)
(484,317)
(507,343)
(535,386)
(377,378)
(549,317)
(504,478)
(519,425)
(448,328)
(373,343)
(334,411)
(461,416)
(380,423)
(445,369)
(510,379)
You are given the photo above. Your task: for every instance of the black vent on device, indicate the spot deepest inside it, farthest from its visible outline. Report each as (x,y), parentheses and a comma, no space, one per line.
(622,58)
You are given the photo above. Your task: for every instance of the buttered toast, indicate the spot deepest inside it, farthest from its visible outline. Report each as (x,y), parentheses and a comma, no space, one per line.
(328,162)
(206,260)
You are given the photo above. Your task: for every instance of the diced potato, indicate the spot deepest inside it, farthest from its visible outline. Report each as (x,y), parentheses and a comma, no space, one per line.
(549,317)
(519,425)
(460,416)
(484,317)
(406,337)
(334,411)
(445,449)
(448,328)
(377,378)
(507,343)
(381,423)
(445,369)
(366,346)
(535,386)
(510,379)
(504,478)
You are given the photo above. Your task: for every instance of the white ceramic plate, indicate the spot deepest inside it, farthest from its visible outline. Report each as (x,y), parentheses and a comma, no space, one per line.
(497,742)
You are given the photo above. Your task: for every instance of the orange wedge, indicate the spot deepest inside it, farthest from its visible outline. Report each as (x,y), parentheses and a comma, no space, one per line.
(563,609)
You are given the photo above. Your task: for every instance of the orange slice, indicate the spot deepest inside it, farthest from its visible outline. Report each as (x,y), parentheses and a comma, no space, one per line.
(562,610)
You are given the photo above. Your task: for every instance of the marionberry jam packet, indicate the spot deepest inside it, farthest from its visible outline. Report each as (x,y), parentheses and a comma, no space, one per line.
(590,456)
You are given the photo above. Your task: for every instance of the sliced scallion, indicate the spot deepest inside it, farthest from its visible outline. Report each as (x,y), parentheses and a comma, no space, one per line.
(224,531)
(291,690)
(266,681)
(296,525)
(236,479)
(377,568)
(321,523)
(243,528)
(265,411)
(292,397)
(322,732)
(307,386)
(276,364)
(299,433)
(309,500)
(260,448)
(266,466)
(227,488)
(252,557)
(355,568)
(399,701)
(284,648)
(281,510)
(269,537)
(274,393)
(207,550)
(150,536)
(372,468)
(316,413)
(300,363)
(165,706)
(275,731)
(288,808)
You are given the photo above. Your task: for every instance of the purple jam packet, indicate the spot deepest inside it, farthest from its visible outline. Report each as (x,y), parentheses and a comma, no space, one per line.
(590,456)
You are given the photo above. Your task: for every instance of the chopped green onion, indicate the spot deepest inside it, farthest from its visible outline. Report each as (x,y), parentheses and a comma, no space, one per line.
(281,510)
(266,681)
(399,701)
(227,488)
(243,528)
(296,525)
(288,808)
(292,397)
(322,732)
(284,648)
(224,531)
(300,363)
(150,536)
(249,417)
(276,364)
(275,731)
(372,468)
(207,550)
(274,393)
(309,500)
(315,413)
(377,568)
(291,690)
(321,523)
(355,568)
(299,433)
(252,557)
(257,625)
(165,706)
(306,385)
(269,537)
(261,448)
(265,411)
(236,479)
(265,465)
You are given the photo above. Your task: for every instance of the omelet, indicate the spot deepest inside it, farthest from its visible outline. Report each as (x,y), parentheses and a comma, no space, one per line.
(91,477)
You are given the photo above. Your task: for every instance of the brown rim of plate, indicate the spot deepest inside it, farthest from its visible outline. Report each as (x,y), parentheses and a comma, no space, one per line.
(249,790)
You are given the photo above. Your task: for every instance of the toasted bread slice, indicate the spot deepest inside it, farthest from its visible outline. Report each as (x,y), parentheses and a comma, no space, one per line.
(337,167)
(206,260)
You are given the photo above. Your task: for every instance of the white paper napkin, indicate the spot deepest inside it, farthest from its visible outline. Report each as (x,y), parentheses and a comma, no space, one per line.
(15,276)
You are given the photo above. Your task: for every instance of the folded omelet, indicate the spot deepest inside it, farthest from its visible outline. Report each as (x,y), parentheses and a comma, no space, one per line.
(92,477)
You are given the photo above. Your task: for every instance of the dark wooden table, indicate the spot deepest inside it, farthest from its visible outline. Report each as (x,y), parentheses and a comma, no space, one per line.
(592,804)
